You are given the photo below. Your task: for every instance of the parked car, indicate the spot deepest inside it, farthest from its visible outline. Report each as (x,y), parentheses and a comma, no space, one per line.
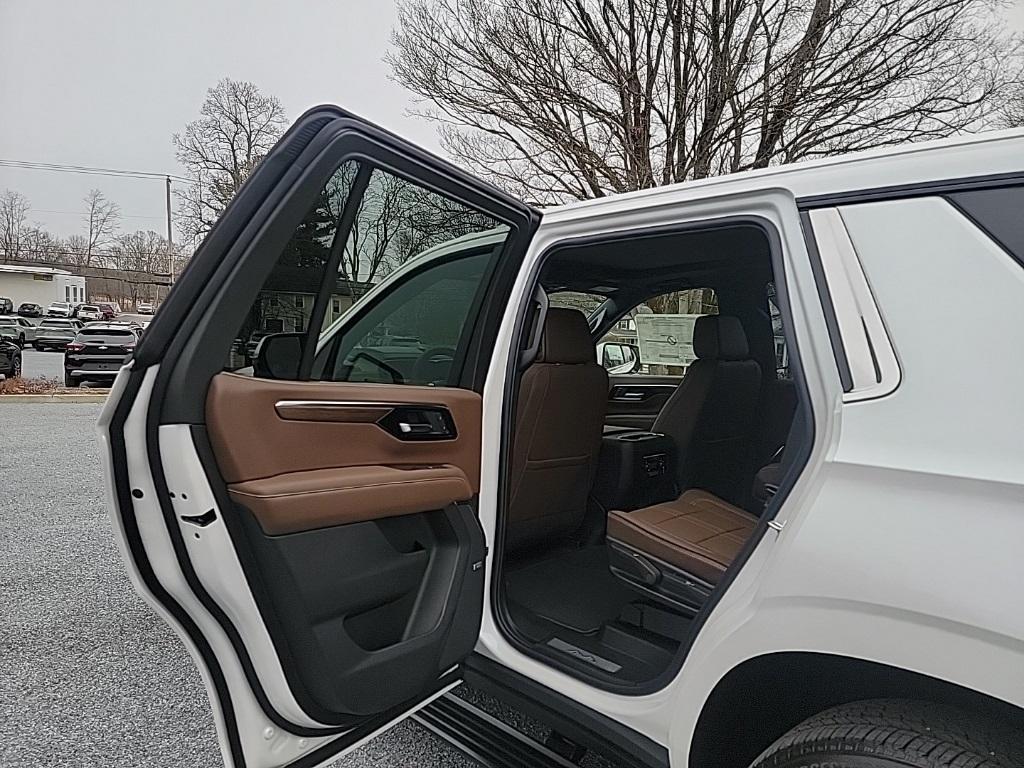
(89,312)
(28,309)
(10,358)
(145,308)
(109,309)
(97,353)
(142,321)
(56,333)
(6,306)
(26,329)
(811,558)
(59,309)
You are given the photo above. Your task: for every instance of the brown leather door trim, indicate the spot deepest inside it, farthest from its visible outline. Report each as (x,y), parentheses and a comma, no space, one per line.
(315,472)
(320,498)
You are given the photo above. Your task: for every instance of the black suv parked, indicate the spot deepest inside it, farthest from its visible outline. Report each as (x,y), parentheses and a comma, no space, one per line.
(10,359)
(97,353)
(28,309)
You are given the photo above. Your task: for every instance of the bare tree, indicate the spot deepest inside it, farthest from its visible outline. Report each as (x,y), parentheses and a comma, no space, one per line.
(145,253)
(42,246)
(1012,115)
(572,99)
(101,219)
(237,128)
(14,208)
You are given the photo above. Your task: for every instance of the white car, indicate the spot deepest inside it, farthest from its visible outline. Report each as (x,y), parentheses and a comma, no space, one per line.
(145,308)
(26,328)
(59,309)
(804,552)
(90,313)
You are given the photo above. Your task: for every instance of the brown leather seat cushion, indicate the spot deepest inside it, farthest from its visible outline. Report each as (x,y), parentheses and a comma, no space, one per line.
(697,533)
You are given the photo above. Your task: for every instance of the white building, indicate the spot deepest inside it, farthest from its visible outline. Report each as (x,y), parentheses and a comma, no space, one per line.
(40,285)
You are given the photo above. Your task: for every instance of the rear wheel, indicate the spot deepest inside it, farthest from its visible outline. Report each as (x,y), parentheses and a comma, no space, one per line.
(895,733)
(16,367)
(70,381)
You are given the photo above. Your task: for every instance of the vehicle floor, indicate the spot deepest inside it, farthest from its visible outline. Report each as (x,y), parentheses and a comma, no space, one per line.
(570,605)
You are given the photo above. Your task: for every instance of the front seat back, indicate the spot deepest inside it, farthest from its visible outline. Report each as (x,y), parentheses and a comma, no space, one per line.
(560,412)
(712,414)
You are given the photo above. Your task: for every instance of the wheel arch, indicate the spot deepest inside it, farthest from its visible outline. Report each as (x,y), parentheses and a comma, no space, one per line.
(762,698)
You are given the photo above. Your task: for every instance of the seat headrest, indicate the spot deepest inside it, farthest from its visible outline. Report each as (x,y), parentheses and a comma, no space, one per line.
(566,338)
(719,337)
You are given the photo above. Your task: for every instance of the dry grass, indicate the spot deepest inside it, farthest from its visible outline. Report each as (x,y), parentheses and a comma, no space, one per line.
(38,386)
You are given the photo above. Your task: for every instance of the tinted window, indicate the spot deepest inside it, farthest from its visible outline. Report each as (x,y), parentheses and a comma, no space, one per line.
(366,226)
(112,333)
(999,212)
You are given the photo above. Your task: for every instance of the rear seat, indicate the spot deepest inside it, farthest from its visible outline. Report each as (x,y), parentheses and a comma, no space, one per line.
(679,549)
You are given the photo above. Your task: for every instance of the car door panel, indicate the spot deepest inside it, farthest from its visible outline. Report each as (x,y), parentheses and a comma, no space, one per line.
(316,543)
(373,627)
(635,401)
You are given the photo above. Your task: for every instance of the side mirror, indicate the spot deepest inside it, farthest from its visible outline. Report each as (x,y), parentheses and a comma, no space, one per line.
(278,356)
(634,350)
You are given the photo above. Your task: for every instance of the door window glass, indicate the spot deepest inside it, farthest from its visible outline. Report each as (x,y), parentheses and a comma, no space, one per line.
(382,275)
(659,331)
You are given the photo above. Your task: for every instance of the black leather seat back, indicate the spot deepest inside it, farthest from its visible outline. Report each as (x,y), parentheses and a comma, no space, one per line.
(712,415)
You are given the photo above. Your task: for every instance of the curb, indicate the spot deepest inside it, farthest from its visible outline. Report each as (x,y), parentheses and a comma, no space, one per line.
(99,397)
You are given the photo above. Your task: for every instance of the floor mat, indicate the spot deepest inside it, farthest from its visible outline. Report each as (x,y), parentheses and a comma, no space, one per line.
(574,589)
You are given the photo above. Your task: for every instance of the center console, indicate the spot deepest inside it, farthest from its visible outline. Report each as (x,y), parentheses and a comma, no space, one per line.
(635,469)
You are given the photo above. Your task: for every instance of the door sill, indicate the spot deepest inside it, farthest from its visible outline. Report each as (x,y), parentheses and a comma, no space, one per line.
(622,745)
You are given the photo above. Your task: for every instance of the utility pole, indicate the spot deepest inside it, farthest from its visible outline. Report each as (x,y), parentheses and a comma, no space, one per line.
(170,236)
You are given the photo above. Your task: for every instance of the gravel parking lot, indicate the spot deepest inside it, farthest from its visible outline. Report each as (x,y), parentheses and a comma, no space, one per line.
(91,677)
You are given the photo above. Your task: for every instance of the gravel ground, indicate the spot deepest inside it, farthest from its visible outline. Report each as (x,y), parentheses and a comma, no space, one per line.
(89,676)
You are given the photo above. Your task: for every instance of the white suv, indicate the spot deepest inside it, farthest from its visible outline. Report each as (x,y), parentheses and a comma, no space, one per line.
(803,552)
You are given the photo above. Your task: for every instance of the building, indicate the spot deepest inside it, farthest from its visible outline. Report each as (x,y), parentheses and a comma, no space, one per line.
(40,285)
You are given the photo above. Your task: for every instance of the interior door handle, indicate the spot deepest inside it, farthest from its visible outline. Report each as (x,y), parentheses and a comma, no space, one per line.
(629,396)
(419,429)
(420,422)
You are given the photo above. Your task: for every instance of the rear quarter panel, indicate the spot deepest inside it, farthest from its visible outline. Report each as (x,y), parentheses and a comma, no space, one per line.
(903,545)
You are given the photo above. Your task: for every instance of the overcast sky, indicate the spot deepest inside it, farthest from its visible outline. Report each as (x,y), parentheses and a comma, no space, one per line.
(106,82)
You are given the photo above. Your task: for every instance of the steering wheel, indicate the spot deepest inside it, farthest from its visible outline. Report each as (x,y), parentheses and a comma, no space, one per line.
(434,365)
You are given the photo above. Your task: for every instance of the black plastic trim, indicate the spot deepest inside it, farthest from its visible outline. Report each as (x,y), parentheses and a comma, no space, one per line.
(802,435)
(567,716)
(483,737)
(825,298)
(918,189)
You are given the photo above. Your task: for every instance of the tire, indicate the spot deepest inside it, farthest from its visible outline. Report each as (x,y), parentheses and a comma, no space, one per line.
(21,341)
(38,347)
(70,381)
(16,367)
(896,733)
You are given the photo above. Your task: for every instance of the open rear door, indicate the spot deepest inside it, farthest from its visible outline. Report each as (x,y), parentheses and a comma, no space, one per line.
(293,452)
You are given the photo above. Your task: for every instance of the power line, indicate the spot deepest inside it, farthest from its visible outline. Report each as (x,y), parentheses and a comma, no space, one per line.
(90,170)
(86,213)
